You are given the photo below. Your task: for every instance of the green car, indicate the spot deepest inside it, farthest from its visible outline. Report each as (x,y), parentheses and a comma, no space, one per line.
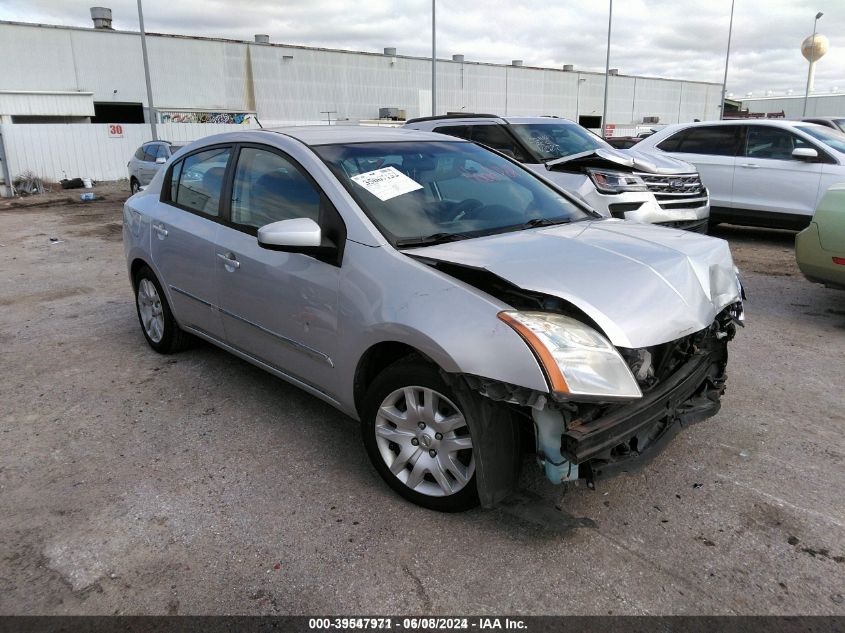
(820,248)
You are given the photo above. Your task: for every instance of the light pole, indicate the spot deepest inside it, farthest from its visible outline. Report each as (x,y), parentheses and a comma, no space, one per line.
(606,73)
(812,64)
(150,109)
(433,58)
(727,59)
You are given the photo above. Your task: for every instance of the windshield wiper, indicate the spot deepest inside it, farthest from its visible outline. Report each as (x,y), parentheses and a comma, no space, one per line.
(430,240)
(534,223)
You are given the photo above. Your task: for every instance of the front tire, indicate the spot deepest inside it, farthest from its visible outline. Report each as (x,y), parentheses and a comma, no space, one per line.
(417,436)
(134,185)
(157,323)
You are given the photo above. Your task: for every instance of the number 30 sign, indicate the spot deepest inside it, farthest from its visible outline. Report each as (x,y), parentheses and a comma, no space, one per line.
(115,130)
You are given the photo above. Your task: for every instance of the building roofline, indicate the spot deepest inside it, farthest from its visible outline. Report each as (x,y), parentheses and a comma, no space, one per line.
(341,50)
(69,93)
(812,96)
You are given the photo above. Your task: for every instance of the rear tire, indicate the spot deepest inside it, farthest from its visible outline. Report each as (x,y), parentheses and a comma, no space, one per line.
(159,327)
(416,434)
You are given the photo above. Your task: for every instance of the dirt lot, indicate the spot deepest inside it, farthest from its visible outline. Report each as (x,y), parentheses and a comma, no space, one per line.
(137,483)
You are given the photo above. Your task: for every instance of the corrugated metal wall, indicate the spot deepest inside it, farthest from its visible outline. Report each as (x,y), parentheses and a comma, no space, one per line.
(793,107)
(56,151)
(39,104)
(290,83)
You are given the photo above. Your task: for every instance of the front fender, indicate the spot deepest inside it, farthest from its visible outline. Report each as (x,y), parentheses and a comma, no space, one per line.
(449,321)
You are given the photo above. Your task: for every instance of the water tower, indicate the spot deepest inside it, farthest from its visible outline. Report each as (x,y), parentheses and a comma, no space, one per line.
(813,49)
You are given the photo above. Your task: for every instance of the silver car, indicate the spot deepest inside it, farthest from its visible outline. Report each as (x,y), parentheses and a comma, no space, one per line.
(453,301)
(146,161)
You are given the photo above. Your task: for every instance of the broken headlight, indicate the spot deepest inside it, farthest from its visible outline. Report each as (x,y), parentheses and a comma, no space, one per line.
(577,360)
(616,181)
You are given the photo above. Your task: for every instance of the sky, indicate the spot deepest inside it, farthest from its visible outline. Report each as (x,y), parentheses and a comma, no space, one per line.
(681,39)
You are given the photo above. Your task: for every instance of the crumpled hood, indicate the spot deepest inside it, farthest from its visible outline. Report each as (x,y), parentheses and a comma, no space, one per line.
(631,159)
(643,285)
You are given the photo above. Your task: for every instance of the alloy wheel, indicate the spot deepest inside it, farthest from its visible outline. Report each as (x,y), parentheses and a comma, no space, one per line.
(149,307)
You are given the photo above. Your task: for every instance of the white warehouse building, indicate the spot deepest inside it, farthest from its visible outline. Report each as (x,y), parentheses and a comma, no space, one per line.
(792,106)
(280,82)
(74,75)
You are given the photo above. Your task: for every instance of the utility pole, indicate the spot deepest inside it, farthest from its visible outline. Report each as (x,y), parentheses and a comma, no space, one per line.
(433,58)
(150,108)
(727,59)
(606,72)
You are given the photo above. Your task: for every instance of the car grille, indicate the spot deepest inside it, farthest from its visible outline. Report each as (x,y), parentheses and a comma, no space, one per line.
(696,226)
(675,191)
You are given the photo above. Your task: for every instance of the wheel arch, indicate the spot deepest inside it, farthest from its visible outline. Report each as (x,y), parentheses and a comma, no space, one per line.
(137,264)
(376,359)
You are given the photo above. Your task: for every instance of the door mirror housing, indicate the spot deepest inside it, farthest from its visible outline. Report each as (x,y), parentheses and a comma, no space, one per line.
(161,160)
(805,153)
(300,235)
(287,234)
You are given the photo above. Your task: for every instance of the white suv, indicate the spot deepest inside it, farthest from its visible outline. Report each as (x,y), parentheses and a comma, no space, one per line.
(759,172)
(623,184)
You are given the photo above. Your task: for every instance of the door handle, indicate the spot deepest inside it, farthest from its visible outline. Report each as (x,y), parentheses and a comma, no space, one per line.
(159,228)
(750,166)
(229,260)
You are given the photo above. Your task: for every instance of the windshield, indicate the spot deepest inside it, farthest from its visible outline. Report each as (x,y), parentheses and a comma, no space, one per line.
(428,192)
(826,135)
(556,140)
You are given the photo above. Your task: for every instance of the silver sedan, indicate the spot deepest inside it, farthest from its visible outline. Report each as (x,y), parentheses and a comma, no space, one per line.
(458,305)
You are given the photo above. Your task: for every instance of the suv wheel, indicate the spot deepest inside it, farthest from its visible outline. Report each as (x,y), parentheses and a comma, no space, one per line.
(134,185)
(416,434)
(157,323)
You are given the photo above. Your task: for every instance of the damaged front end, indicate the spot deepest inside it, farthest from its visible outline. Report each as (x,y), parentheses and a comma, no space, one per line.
(640,187)
(578,437)
(682,383)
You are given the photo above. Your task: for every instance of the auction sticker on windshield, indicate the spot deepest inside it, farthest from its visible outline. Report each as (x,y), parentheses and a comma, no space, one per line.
(386,183)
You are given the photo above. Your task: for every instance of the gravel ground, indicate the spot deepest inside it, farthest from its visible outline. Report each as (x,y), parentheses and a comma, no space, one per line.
(135,483)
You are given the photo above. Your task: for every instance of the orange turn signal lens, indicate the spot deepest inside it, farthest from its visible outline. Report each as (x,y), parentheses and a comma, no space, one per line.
(550,367)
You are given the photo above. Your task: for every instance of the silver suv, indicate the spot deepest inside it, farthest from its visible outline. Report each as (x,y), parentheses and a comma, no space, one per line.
(617,183)
(451,300)
(146,161)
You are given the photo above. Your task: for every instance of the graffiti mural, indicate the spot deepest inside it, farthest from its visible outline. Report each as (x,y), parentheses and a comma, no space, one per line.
(237,118)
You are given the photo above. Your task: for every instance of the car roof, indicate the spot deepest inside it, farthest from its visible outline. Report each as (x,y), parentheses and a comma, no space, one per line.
(458,119)
(538,119)
(333,134)
(785,123)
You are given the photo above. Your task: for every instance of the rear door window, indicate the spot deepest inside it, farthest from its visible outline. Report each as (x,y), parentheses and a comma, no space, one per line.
(197,181)
(459,131)
(716,140)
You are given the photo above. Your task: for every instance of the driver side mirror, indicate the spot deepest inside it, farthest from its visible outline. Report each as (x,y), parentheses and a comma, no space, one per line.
(161,160)
(805,153)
